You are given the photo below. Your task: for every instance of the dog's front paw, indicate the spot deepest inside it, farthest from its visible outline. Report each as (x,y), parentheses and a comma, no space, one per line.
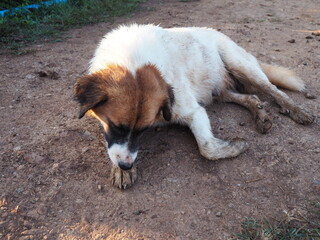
(219,149)
(123,178)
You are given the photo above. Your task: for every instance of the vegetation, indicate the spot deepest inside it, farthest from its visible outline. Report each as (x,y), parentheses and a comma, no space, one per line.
(292,226)
(29,25)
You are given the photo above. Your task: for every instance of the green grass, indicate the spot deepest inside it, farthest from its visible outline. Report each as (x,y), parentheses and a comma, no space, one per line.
(48,22)
(7,4)
(291,226)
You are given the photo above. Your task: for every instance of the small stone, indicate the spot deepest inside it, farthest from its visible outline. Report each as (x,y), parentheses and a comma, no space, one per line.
(42,210)
(317,150)
(33,214)
(242,124)
(309,37)
(158,129)
(32,231)
(99,187)
(290,141)
(316,181)
(55,166)
(29,76)
(42,74)
(310,96)
(138,212)
(88,135)
(19,190)
(33,158)
(218,214)
(292,41)
(16,149)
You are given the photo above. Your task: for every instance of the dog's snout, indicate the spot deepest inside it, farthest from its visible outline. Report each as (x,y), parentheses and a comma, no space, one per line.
(125,166)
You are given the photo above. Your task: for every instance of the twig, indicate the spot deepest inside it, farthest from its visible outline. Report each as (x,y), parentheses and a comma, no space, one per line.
(254,180)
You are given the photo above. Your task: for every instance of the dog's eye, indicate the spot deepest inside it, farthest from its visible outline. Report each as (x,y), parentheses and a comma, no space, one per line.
(138,132)
(121,129)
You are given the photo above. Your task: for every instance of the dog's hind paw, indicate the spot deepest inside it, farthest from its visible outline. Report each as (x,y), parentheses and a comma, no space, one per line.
(123,178)
(264,123)
(299,115)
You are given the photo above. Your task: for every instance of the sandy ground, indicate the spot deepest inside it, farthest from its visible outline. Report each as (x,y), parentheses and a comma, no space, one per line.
(54,171)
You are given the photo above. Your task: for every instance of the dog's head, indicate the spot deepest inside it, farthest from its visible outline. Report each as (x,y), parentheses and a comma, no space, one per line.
(126,105)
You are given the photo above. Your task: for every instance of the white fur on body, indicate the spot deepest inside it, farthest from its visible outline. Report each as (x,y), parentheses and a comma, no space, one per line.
(193,61)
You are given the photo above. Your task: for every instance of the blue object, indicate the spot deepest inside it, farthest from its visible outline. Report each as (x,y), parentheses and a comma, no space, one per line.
(47,3)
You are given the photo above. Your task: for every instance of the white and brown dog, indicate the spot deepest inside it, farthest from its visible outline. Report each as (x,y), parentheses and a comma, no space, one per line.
(145,75)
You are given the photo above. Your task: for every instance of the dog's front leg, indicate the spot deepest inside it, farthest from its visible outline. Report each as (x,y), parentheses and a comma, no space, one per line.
(123,178)
(210,147)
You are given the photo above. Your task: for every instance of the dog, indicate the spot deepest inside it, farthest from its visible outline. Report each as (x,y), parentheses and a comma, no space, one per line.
(142,76)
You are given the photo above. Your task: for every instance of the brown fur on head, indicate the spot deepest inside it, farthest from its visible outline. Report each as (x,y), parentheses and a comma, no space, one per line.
(114,94)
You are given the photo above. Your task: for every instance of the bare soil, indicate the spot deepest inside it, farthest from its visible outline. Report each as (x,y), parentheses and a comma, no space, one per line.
(54,170)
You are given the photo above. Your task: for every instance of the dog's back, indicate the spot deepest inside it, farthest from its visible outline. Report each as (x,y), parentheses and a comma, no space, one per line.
(187,58)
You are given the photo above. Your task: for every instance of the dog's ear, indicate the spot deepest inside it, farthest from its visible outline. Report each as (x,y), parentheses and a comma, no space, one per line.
(167,105)
(90,92)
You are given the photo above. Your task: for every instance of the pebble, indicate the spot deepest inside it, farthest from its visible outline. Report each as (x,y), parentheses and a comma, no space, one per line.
(99,187)
(16,149)
(290,141)
(138,212)
(33,214)
(242,124)
(89,136)
(29,76)
(33,158)
(310,96)
(42,210)
(316,181)
(55,166)
(32,231)
(157,129)
(218,214)
(292,41)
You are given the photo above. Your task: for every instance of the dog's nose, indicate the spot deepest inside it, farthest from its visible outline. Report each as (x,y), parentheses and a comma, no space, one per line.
(125,166)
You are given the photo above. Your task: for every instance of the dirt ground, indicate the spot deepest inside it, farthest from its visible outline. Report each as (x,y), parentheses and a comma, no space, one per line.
(54,169)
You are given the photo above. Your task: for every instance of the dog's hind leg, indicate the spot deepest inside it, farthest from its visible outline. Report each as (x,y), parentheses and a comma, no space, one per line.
(262,118)
(244,67)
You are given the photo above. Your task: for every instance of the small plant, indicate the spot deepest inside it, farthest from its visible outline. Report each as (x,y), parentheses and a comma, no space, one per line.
(293,226)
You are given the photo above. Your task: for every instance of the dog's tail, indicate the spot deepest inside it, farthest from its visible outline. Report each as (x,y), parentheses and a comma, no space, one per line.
(283,77)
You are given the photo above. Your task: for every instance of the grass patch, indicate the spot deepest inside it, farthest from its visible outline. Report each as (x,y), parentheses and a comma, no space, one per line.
(292,226)
(7,4)
(47,22)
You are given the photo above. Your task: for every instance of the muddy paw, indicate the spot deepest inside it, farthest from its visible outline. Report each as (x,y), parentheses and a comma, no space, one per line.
(301,116)
(264,123)
(123,179)
(220,149)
